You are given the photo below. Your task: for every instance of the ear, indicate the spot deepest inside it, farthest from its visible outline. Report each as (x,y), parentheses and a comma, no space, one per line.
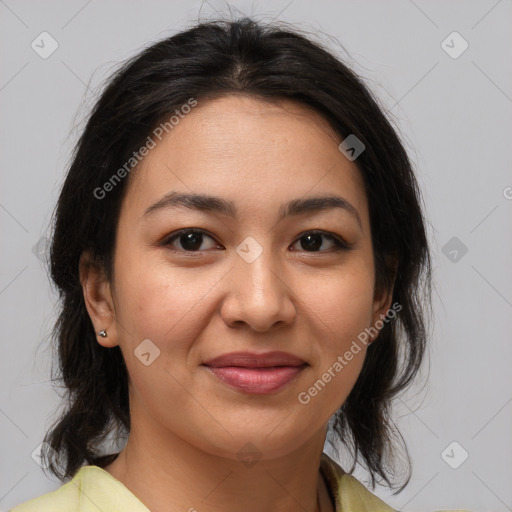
(383,298)
(98,299)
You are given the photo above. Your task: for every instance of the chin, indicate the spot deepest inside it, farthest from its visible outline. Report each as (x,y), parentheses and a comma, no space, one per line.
(261,440)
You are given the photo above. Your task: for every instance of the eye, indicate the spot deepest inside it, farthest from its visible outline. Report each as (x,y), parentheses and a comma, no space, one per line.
(311,241)
(190,240)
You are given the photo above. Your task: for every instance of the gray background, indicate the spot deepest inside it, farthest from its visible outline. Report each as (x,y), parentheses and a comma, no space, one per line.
(455,117)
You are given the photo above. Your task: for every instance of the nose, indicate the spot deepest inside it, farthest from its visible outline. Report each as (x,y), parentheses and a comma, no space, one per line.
(258,295)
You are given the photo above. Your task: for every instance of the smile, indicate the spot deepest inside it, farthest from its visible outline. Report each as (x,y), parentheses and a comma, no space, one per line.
(256,373)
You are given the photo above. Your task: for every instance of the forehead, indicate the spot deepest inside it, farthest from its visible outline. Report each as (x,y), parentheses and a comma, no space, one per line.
(248,150)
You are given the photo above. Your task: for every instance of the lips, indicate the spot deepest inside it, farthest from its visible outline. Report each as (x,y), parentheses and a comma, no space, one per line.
(252,360)
(256,373)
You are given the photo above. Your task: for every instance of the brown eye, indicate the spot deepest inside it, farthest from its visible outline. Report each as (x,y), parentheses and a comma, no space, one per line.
(188,240)
(313,241)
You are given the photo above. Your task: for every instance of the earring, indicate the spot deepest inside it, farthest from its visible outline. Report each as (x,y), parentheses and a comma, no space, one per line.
(103,333)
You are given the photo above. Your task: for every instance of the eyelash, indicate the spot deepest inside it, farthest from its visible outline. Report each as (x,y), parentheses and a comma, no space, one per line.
(340,243)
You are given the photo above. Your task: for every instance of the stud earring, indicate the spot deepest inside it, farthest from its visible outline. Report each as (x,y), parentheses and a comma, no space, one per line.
(103,333)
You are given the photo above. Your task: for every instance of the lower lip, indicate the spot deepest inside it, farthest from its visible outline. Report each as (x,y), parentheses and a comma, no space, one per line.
(257,381)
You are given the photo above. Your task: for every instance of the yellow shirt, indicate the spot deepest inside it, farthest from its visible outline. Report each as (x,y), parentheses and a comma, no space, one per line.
(93,489)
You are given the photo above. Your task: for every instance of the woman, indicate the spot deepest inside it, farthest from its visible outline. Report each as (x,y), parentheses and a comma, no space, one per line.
(242,259)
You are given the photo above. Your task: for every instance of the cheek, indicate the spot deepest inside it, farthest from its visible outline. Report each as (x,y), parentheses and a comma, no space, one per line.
(153,297)
(343,307)
(168,305)
(158,304)
(343,302)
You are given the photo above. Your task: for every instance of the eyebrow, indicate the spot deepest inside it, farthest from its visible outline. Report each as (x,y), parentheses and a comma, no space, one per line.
(208,203)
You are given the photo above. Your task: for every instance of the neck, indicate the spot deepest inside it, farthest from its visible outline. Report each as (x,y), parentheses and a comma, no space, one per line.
(167,473)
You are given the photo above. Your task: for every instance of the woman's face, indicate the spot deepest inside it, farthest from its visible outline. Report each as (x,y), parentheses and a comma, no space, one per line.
(261,275)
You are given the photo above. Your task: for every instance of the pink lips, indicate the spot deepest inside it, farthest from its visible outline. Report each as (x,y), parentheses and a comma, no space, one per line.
(256,373)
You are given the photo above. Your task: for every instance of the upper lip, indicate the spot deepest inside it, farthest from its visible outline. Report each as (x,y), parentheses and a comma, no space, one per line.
(254,360)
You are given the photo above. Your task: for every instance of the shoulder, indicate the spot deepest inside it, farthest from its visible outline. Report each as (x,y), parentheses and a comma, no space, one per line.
(91,489)
(357,496)
(64,499)
(350,494)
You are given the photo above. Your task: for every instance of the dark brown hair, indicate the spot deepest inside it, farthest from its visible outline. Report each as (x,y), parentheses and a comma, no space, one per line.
(269,62)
